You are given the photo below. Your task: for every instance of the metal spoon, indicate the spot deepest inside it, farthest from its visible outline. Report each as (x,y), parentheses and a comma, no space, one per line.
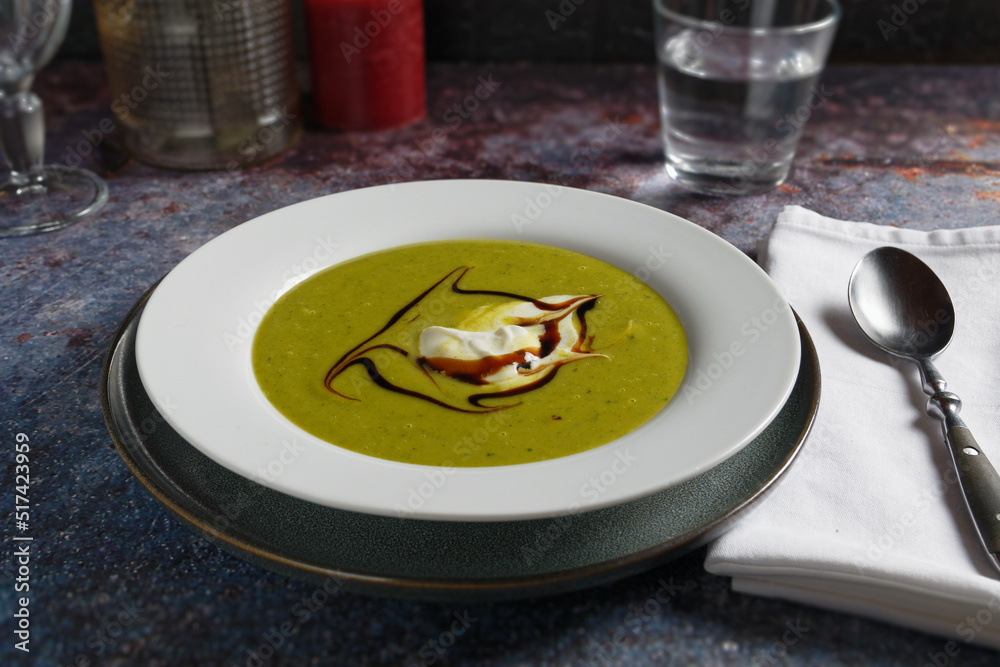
(903,307)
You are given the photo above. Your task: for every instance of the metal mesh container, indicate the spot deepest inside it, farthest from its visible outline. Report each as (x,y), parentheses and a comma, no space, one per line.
(201,84)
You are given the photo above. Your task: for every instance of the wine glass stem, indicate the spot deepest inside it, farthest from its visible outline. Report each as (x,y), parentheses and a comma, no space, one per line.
(22,134)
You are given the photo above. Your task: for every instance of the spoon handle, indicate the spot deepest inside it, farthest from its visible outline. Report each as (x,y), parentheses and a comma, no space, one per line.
(981,486)
(980,482)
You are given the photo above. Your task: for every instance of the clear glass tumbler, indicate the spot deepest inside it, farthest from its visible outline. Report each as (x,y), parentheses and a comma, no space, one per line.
(200,84)
(738,79)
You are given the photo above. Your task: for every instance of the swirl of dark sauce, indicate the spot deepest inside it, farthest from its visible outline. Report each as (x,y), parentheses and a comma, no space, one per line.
(471,372)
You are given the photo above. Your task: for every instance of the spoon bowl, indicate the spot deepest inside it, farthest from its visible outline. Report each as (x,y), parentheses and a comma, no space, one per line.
(905,310)
(900,304)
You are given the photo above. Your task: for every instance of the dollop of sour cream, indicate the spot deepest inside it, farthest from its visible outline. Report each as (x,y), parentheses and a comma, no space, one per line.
(468,345)
(505,343)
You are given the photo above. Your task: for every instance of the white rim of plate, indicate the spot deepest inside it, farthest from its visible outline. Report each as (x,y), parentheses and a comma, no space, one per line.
(194,336)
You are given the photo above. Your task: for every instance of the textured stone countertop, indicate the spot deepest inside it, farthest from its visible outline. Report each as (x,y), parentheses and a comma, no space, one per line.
(117,579)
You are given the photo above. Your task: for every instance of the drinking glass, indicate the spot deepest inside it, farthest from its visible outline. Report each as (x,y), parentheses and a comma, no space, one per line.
(738,79)
(35,197)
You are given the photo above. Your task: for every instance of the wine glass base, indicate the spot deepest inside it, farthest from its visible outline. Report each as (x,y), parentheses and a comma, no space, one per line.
(49,199)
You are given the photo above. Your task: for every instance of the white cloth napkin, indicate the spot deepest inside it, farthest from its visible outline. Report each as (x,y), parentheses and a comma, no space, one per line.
(870,519)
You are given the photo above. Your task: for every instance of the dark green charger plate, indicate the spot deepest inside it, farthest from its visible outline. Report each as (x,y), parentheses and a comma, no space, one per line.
(441,559)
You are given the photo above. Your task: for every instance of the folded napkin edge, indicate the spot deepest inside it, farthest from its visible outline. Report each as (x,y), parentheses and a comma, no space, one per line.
(902,611)
(794,215)
(735,570)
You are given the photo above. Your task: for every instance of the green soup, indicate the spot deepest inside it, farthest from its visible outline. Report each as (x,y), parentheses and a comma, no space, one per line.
(540,352)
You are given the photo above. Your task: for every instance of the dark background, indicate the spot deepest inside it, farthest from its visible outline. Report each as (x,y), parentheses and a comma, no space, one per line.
(915,147)
(606,31)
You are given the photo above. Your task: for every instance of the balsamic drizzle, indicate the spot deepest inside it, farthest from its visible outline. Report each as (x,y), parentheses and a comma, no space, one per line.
(472,372)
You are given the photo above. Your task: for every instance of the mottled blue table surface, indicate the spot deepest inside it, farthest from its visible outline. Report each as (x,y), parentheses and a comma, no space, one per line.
(117,579)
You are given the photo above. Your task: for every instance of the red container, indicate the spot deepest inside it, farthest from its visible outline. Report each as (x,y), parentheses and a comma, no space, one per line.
(367,62)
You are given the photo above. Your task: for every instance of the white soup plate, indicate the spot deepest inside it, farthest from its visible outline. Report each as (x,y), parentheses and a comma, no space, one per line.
(194,338)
